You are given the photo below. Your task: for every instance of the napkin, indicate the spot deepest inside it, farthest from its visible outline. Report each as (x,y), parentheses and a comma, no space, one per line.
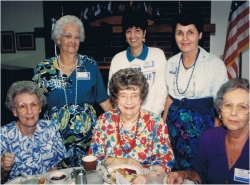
(120,179)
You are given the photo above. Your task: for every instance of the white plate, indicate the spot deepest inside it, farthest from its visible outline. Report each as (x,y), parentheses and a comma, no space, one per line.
(57,174)
(114,167)
(17,180)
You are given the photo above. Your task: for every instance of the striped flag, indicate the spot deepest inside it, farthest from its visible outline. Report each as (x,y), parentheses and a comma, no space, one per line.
(237,37)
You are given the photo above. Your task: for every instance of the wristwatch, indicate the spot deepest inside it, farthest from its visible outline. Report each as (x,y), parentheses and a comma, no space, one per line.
(196,182)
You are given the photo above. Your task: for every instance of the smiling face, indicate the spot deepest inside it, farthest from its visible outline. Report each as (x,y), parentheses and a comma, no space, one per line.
(234,120)
(129,102)
(69,45)
(134,37)
(30,117)
(187,38)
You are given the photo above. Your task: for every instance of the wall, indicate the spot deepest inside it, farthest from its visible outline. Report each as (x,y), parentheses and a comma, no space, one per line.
(217,40)
(23,16)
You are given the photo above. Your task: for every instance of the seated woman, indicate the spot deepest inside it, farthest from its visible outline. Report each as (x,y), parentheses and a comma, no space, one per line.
(29,146)
(129,134)
(223,154)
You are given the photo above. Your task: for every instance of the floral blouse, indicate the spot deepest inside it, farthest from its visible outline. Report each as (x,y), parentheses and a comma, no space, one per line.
(152,148)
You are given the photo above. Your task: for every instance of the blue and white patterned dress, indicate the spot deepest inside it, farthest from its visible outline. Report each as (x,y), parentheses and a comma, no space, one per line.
(34,154)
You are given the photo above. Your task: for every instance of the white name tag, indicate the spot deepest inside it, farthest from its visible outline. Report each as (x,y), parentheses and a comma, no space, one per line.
(241,175)
(148,64)
(83,75)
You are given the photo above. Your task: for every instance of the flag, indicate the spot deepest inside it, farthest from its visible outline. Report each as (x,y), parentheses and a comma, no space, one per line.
(237,38)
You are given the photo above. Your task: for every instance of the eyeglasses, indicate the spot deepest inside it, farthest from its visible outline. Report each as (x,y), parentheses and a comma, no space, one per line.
(227,106)
(23,107)
(133,97)
(69,36)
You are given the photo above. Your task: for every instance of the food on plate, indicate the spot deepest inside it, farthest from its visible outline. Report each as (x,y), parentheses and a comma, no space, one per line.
(58,177)
(128,174)
(41,180)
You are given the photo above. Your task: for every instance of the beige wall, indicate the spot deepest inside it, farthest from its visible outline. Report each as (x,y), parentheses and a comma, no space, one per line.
(23,16)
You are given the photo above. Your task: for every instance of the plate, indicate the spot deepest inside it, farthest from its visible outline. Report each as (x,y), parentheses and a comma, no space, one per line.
(114,167)
(57,174)
(17,180)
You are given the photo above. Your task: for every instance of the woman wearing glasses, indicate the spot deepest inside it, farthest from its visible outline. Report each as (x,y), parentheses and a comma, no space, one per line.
(193,77)
(223,153)
(129,134)
(29,146)
(72,83)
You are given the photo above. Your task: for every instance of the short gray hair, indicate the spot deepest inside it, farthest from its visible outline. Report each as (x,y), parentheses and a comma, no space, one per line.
(20,87)
(235,83)
(67,19)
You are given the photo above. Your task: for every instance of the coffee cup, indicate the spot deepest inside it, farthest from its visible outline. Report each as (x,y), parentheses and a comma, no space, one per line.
(89,162)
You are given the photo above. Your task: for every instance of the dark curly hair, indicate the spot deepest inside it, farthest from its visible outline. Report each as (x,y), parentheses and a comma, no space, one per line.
(127,79)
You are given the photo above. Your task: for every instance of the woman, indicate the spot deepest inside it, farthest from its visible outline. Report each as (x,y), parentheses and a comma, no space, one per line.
(223,154)
(29,146)
(151,61)
(129,134)
(72,83)
(193,78)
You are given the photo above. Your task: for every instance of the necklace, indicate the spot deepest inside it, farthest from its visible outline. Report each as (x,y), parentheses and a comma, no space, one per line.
(64,89)
(119,135)
(185,68)
(128,124)
(67,67)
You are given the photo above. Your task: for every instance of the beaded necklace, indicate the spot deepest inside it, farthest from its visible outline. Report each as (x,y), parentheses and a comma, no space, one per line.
(64,89)
(186,68)
(119,135)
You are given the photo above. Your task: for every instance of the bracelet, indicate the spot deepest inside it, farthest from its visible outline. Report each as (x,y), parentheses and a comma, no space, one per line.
(190,174)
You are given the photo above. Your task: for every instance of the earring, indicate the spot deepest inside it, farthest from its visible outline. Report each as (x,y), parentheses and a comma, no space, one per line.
(220,117)
(143,40)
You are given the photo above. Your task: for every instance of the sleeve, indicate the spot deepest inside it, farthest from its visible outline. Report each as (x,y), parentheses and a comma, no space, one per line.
(160,86)
(111,72)
(162,153)
(97,147)
(4,144)
(60,147)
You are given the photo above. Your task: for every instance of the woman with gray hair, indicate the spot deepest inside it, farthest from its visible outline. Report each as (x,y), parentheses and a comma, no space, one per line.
(223,153)
(72,83)
(29,146)
(129,134)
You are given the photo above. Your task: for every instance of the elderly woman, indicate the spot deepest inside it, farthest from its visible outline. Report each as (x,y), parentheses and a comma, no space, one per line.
(72,83)
(151,61)
(223,154)
(193,77)
(129,134)
(29,146)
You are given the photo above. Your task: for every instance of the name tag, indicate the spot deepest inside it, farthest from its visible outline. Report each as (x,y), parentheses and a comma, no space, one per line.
(148,64)
(241,175)
(173,70)
(83,75)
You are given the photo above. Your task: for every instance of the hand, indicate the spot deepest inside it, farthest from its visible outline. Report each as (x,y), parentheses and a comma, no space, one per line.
(176,177)
(113,161)
(155,177)
(140,179)
(7,161)
(133,162)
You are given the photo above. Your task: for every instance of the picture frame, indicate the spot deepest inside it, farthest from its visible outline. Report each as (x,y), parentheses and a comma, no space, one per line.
(7,42)
(25,41)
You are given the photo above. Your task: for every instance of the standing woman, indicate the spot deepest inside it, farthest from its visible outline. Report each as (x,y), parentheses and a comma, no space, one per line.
(150,61)
(193,78)
(72,83)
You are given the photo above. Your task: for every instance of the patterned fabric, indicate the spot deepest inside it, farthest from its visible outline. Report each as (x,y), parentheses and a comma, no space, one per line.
(185,129)
(34,154)
(75,122)
(152,142)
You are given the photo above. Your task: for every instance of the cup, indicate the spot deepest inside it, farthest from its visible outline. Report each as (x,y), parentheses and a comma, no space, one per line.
(29,180)
(94,177)
(89,162)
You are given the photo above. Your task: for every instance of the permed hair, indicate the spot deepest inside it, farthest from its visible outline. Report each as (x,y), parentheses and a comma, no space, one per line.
(235,83)
(127,79)
(67,19)
(134,18)
(186,18)
(20,87)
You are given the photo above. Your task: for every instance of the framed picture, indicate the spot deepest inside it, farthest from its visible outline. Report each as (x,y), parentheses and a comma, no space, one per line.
(7,42)
(25,41)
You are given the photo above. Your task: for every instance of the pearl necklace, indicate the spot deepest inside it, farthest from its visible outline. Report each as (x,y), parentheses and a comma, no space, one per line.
(186,68)
(67,67)
(65,94)
(133,143)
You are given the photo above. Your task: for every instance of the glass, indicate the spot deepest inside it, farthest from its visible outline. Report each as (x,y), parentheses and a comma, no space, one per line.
(227,106)
(70,36)
(23,107)
(94,177)
(29,180)
(124,97)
